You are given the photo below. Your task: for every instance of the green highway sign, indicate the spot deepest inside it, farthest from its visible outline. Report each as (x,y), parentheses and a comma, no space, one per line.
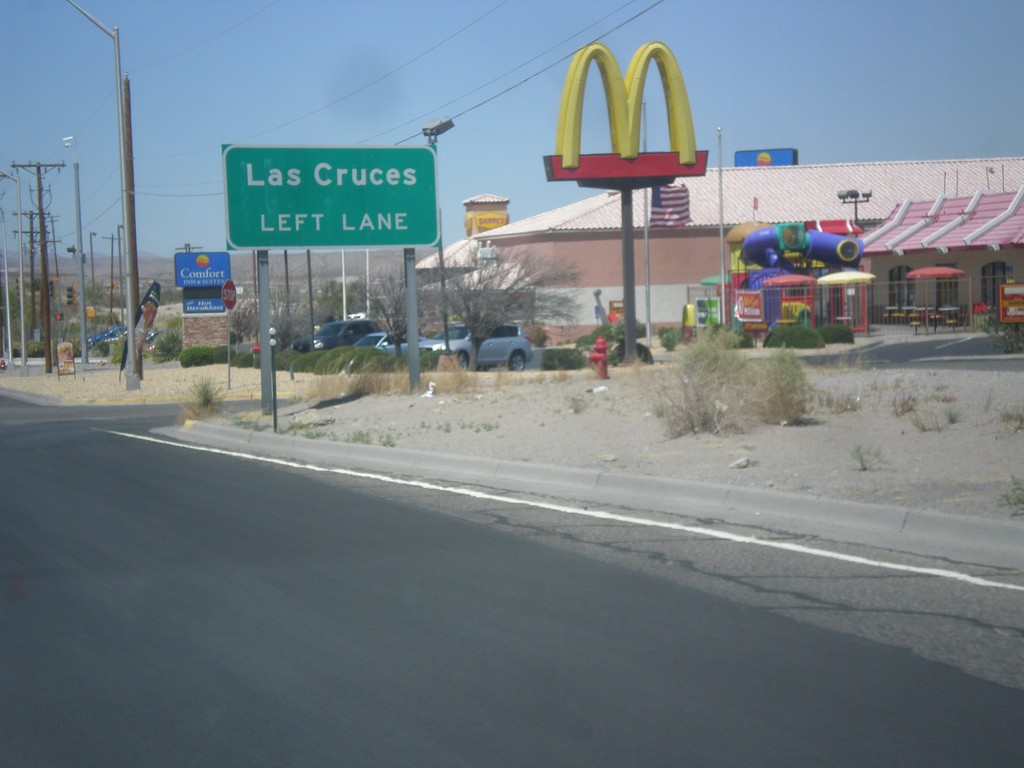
(314,197)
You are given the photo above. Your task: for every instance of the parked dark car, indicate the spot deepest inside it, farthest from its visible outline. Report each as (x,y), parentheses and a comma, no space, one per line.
(342,333)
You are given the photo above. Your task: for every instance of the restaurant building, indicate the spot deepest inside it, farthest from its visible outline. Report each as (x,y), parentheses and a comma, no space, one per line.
(963,214)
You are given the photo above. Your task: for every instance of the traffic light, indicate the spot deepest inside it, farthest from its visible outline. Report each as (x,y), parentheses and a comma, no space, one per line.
(70,294)
(53,289)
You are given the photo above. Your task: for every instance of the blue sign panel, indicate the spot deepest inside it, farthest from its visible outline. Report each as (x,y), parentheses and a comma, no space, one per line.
(765,157)
(202,306)
(202,269)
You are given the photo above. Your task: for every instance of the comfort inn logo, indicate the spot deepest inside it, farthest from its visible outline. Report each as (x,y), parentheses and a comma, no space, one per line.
(201,270)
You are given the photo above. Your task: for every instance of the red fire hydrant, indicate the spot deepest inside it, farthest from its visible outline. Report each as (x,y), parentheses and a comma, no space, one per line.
(599,357)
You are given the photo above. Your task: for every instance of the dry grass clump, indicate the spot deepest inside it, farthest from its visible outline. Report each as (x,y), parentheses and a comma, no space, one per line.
(206,397)
(716,389)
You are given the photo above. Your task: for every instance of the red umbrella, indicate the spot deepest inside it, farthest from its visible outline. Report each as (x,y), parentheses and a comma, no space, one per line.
(936,273)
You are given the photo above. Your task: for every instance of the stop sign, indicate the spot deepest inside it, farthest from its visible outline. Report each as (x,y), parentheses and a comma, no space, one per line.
(228,294)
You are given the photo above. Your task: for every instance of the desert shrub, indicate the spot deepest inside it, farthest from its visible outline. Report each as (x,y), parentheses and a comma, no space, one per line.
(781,392)
(197,356)
(613,334)
(304,361)
(332,361)
(117,349)
(670,337)
(836,333)
(562,359)
(206,398)
(794,337)
(168,346)
(708,391)
(429,359)
(537,335)
(1004,336)
(34,348)
(732,338)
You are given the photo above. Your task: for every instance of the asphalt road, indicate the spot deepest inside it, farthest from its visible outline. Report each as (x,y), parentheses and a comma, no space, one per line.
(934,351)
(169,606)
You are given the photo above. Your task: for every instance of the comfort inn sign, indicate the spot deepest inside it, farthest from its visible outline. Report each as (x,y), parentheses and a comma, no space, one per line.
(311,197)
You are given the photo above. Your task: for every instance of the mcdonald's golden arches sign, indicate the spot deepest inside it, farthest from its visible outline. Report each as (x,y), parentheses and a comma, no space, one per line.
(625,166)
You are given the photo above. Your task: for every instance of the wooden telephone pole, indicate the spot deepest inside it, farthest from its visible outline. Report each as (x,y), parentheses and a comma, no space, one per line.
(44,293)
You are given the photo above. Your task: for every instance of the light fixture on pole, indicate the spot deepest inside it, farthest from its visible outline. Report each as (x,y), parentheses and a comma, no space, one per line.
(855,198)
(131,374)
(79,252)
(432,130)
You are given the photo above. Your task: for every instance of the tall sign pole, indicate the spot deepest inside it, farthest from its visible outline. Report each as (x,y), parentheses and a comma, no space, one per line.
(131,377)
(626,168)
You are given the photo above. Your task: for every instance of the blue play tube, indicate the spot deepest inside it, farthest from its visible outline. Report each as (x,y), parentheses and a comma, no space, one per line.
(765,247)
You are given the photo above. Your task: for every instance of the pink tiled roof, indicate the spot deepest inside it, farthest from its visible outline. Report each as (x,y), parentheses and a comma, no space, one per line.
(984,220)
(792,193)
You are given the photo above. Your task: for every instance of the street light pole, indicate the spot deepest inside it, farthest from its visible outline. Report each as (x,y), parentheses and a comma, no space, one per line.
(69,142)
(854,197)
(131,374)
(21,273)
(432,130)
(6,351)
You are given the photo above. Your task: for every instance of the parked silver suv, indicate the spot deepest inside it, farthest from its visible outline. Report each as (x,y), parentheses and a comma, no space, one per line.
(507,345)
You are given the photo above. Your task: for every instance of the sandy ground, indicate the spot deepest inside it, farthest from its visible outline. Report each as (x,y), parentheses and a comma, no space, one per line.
(956,450)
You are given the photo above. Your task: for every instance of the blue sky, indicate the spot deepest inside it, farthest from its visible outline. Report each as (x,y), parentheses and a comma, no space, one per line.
(840,82)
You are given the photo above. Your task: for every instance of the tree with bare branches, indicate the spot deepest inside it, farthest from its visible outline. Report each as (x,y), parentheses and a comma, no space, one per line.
(514,285)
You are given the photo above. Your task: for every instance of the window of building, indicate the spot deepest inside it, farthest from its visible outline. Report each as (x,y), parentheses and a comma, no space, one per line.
(993,275)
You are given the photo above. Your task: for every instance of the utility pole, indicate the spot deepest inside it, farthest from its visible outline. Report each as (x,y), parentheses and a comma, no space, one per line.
(131,243)
(44,300)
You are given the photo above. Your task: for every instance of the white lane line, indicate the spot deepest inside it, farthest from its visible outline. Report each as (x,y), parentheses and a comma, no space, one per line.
(941,573)
(954,342)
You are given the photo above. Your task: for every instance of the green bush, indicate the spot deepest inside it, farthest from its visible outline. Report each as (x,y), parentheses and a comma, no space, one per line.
(198,356)
(837,333)
(168,346)
(670,337)
(562,359)
(613,334)
(1002,336)
(730,338)
(794,337)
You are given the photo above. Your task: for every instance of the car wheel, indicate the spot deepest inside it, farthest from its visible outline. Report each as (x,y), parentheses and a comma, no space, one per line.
(517,361)
(463,360)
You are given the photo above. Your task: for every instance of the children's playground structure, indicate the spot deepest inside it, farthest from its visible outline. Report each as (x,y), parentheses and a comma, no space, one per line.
(778,273)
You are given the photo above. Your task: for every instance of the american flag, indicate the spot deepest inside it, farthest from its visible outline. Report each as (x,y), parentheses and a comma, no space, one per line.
(670,207)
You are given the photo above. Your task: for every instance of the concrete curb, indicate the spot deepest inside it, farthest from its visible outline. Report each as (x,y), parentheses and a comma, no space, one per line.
(981,541)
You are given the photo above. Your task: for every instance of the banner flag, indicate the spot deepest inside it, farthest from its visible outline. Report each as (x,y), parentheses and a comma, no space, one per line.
(144,317)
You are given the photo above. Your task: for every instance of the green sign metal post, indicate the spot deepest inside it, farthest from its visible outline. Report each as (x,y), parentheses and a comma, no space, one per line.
(315,197)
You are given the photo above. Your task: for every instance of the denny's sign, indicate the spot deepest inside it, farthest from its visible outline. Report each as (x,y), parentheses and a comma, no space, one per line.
(625,167)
